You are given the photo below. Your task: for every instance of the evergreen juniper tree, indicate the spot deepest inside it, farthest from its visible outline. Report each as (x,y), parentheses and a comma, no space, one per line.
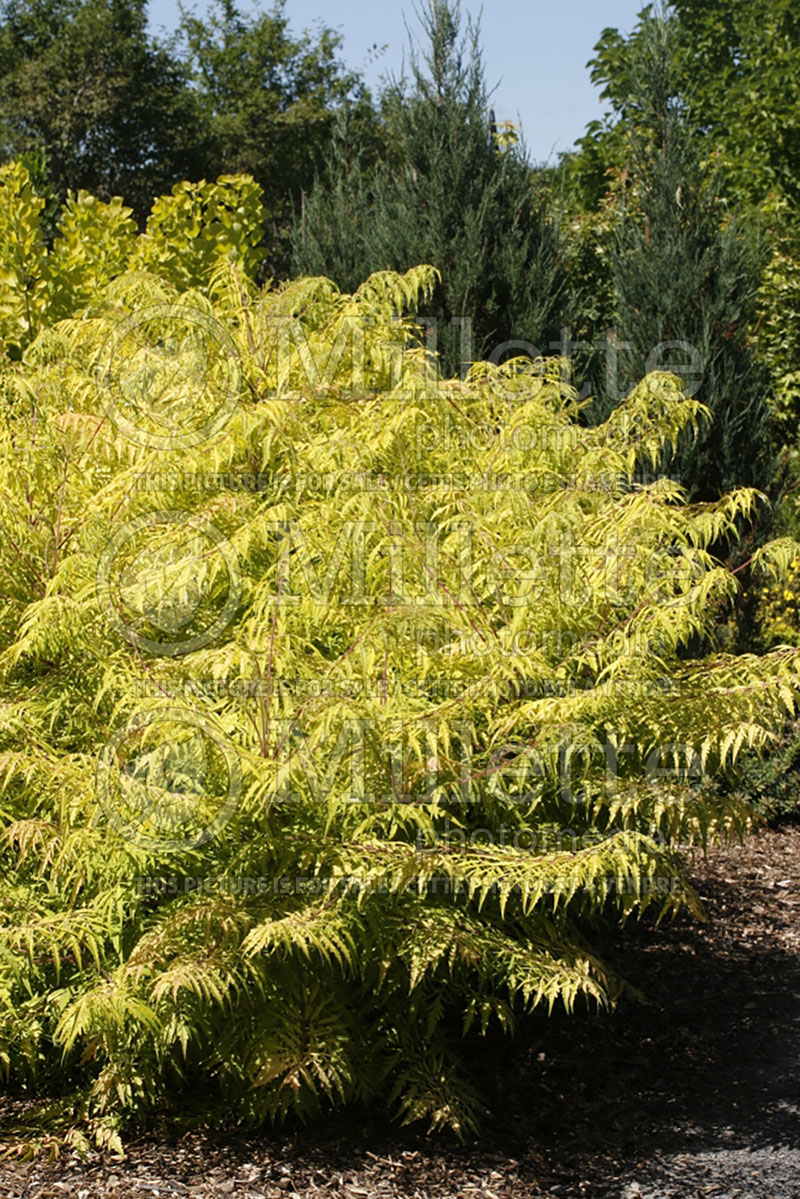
(685,276)
(445,192)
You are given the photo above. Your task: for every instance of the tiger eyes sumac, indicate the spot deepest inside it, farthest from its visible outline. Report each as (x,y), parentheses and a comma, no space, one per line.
(423,900)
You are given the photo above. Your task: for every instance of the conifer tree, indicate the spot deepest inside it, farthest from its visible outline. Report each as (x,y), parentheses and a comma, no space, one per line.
(685,277)
(446,191)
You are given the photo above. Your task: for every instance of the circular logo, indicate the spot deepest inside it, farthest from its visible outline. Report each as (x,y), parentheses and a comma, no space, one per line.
(173,375)
(169,780)
(169,582)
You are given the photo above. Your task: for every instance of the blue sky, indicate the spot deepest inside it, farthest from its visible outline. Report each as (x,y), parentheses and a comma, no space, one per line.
(536,51)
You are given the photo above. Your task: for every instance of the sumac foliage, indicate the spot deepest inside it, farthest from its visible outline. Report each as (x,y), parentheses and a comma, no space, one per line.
(337,698)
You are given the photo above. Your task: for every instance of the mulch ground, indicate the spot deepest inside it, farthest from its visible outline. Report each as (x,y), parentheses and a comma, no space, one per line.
(694,1091)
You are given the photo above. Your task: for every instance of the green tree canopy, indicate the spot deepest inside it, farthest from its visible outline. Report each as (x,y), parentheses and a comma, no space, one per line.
(84,81)
(737,65)
(265,102)
(114,111)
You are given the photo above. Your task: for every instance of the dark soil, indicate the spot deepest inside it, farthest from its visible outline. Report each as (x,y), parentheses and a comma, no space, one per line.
(694,1092)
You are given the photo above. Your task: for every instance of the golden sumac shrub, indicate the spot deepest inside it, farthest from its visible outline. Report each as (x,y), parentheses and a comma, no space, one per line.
(338,700)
